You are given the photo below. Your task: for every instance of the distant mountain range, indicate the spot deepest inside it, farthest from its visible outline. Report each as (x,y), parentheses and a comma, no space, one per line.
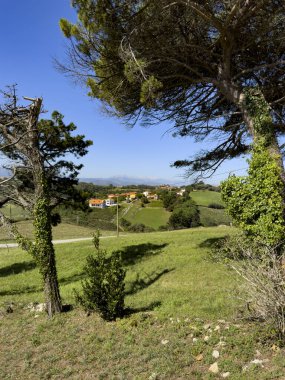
(4,172)
(124,181)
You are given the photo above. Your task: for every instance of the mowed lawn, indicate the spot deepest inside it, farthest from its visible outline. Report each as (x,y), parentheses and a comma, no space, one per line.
(182,306)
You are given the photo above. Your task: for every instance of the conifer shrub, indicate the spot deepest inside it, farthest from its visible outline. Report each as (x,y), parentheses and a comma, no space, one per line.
(103,290)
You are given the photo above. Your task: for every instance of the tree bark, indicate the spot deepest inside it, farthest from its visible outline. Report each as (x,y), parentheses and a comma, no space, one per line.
(44,253)
(43,247)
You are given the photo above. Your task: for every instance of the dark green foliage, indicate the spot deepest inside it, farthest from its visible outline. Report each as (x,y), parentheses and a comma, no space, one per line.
(235,247)
(185,215)
(217,206)
(163,228)
(203,186)
(95,218)
(55,219)
(191,74)
(125,223)
(140,227)
(256,202)
(169,199)
(57,140)
(103,290)
(144,200)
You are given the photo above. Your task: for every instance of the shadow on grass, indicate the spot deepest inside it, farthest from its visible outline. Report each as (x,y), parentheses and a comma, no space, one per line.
(212,242)
(129,311)
(133,253)
(17,268)
(130,255)
(26,290)
(71,279)
(143,283)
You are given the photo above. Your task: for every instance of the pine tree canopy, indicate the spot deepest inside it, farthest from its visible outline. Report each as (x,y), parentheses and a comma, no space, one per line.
(184,61)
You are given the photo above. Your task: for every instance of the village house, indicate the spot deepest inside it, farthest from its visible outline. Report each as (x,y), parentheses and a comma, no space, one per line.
(152,196)
(110,202)
(97,203)
(131,196)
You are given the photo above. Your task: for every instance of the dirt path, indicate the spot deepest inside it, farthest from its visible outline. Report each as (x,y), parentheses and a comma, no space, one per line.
(63,241)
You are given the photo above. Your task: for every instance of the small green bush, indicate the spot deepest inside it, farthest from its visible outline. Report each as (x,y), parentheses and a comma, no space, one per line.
(104,288)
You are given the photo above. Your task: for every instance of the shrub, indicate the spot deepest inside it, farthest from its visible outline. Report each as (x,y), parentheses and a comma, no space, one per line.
(263,286)
(234,247)
(216,206)
(163,228)
(138,227)
(185,215)
(261,271)
(104,289)
(125,223)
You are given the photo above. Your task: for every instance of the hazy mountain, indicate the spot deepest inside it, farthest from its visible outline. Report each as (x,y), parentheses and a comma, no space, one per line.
(4,172)
(124,180)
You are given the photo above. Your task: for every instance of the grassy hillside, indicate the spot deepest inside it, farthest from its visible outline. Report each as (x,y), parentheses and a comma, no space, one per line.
(62,231)
(210,216)
(206,197)
(213,217)
(152,215)
(182,308)
(15,212)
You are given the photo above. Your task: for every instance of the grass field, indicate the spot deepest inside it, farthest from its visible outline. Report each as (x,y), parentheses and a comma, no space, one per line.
(62,231)
(213,217)
(150,216)
(15,212)
(206,197)
(182,308)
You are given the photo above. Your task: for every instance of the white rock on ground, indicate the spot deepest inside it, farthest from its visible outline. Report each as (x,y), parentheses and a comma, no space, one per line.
(216,354)
(225,375)
(214,368)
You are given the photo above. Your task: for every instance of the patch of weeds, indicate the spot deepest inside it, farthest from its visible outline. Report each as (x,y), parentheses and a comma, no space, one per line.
(36,341)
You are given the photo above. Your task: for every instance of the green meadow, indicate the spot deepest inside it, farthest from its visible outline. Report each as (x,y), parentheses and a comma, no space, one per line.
(181,306)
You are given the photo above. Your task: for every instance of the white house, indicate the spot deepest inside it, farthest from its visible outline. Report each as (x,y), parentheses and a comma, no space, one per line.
(110,202)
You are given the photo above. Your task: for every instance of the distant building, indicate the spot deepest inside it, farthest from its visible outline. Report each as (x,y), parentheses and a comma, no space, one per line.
(132,195)
(97,203)
(166,187)
(110,202)
(152,196)
(181,192)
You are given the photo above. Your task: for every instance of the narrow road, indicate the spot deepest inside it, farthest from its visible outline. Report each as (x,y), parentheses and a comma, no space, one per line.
(15,245)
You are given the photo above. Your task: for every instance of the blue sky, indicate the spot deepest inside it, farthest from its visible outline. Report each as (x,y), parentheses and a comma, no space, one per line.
(31,38)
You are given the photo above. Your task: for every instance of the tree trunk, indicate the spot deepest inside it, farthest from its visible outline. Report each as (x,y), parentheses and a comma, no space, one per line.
(256,115)
(44,252)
